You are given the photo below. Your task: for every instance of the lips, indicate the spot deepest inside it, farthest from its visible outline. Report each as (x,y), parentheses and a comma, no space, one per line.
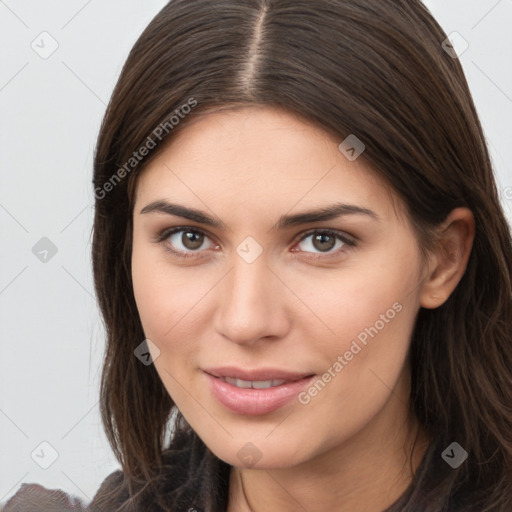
(255,392)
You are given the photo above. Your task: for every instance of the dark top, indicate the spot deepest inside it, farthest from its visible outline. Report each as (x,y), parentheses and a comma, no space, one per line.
(182,486)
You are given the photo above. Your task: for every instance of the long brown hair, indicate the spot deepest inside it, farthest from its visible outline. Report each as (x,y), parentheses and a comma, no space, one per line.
(365,67)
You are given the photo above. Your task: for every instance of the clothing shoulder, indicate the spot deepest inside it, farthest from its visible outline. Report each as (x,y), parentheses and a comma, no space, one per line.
(110,495)
(36,498)
(190,478)
(156,495)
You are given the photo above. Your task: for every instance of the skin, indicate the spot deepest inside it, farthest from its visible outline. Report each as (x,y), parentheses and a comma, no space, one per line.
(348,448)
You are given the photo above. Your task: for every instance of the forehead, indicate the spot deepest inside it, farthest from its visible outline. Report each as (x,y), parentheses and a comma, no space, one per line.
(261,158)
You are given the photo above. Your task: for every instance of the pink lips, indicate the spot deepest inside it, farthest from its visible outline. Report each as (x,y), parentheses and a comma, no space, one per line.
(255,401)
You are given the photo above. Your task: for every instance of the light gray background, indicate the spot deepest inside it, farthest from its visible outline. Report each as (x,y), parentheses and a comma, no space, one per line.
(52,339)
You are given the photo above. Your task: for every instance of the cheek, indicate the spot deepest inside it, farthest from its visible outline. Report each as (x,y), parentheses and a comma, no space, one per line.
(365,315)
(156,291)
(169,298)
(365,358)
(165,300)
(147,289)
(353,300)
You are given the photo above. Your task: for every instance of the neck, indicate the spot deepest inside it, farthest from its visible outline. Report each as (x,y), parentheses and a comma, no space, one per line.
(368,472)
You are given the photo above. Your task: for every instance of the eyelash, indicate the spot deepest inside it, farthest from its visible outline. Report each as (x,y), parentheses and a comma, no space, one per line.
(166,233)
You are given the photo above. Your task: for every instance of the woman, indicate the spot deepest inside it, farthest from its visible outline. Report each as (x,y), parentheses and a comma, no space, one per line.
(302,265)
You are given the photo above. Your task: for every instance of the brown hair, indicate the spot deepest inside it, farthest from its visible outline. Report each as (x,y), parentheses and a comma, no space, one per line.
(365,67)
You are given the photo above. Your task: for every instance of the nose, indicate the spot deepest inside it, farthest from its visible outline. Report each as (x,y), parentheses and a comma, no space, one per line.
(251,303)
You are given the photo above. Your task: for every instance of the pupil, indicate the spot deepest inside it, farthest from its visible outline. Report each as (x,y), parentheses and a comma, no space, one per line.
(192,240)
(322,239)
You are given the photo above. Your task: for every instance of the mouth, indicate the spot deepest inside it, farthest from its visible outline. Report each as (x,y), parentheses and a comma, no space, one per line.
(255,395)
(257,375)
(253,384)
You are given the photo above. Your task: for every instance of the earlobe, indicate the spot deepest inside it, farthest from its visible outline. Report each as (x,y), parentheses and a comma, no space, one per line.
(449,259)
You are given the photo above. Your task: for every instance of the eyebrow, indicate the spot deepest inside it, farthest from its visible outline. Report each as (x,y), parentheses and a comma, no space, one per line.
(329,212)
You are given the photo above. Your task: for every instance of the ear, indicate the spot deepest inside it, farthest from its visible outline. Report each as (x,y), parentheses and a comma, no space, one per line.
(448,260)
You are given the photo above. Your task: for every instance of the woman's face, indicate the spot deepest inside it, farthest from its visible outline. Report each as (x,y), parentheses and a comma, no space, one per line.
(261,285)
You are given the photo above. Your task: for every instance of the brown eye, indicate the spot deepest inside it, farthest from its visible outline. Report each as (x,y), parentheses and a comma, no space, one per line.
(192,240)
(185,241)
(324,242)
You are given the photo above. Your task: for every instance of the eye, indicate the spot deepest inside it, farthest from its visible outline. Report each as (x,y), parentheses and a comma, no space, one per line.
(187,242)
(324,241)
(184,241)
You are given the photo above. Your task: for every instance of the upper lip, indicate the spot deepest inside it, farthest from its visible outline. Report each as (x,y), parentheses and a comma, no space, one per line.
(256,374)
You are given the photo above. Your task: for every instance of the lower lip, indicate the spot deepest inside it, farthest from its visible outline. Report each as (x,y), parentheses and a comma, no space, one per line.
(255,401)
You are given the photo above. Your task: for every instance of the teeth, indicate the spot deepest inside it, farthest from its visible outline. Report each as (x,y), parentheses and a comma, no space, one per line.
(263,384)
(254,384)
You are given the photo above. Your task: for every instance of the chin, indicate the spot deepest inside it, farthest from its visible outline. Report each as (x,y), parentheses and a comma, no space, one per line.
(260,455)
